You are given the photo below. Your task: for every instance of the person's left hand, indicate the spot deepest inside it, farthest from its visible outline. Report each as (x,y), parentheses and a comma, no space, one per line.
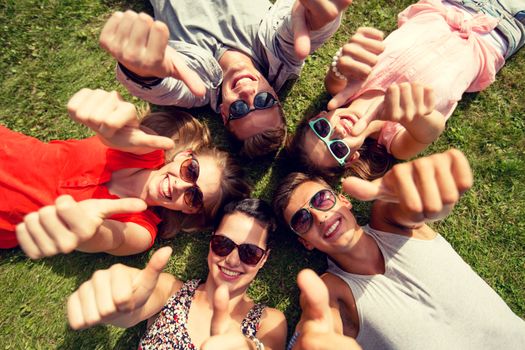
(309,15)
(225,334)
(317,329)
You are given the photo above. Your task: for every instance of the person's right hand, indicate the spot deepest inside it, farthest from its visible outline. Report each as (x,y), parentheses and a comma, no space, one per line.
(113,119)
(116,291)
(317,328)
(359,56)
(60,228)
(141,45)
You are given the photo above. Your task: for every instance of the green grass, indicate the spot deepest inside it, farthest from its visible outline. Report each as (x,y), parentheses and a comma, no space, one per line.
(49,50)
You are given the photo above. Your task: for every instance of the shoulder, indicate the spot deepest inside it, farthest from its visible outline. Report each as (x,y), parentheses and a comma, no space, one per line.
(338,289)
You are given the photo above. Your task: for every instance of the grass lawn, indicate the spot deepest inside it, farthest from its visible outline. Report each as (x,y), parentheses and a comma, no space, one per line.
(49,50)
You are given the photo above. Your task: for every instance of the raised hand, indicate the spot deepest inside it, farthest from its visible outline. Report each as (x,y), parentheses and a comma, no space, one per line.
(115,292)
(411,105)
(427,188)
(310,15)
(317,325)
(62,227)
(114,120)
(141,45)
(225,334)
(359,55)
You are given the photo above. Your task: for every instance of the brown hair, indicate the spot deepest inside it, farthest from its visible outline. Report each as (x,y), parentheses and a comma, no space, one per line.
(284,191)
(189,133)
(267,141)
(374,160)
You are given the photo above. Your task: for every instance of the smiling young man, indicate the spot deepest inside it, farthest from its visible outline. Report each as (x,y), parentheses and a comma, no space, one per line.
(395,283)
(232,55)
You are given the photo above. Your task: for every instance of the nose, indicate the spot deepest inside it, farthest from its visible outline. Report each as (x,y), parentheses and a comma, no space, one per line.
(338,132)
(318,216)
(233,259)
(247,93)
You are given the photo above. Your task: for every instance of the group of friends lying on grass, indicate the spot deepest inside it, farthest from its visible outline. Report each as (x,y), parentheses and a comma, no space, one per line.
(392,284)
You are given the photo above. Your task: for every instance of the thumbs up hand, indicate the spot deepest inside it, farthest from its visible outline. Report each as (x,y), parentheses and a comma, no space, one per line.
(115,292)
(62,227)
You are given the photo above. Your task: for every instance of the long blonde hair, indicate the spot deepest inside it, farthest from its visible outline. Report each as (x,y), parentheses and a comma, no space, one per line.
(189,133)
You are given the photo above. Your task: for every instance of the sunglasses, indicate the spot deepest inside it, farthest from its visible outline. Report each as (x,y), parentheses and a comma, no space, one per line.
(302,220)
(250,254)
(239,109)
(338,148)
(189,172)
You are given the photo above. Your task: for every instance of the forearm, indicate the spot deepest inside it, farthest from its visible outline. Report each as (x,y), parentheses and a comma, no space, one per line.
(332,83)
(117,238)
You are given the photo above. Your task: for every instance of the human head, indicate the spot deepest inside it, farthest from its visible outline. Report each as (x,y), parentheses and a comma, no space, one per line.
(261,131)
(249,221)
(189,133)
(332,230)
(368,160)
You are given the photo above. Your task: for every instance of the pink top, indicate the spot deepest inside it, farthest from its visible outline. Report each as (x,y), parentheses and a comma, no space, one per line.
(438,46)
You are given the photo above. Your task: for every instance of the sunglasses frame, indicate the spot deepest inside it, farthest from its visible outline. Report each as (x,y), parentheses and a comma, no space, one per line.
(195,188)
(311,206)
(238,247)
(232,117)
(326,140)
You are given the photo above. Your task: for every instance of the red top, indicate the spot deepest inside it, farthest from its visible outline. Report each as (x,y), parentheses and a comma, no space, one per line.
(33,174)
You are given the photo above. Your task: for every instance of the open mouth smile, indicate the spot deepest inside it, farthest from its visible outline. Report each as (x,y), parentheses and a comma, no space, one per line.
(165,187)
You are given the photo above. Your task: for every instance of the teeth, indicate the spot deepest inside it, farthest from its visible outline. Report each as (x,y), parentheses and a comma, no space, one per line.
(166,191)
(242,81)
(332,228)
(347,123)
(229,272)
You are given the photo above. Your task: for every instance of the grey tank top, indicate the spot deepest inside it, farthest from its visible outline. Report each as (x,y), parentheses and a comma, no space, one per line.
(428,298)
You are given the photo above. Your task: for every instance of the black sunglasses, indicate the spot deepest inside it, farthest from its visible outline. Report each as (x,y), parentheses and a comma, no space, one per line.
(239,109)
(189,172)
(249,254)
(302,220)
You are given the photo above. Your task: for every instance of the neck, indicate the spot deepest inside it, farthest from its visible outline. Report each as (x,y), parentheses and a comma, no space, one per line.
(363,258)
(131,184)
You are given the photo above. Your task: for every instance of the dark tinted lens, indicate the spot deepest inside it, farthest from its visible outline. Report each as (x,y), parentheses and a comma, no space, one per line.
(189,170)
(238,109)
(264,100)
(322,127)
(193,197)
(301,221)
(221,246)
(339,149)
(250,254)
(323,200)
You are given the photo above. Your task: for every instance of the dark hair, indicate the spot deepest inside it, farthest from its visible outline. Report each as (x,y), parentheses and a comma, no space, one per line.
(267,141)
(374,160)
(255,208)
(284,191)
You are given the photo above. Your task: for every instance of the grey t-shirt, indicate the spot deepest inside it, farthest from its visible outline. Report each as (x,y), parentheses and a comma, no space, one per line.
(428,298)
(202,30)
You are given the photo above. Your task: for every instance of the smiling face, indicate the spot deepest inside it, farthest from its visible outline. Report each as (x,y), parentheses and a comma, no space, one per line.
(341,122)
(243,82)
(166,187)
(332,231)
(230,270)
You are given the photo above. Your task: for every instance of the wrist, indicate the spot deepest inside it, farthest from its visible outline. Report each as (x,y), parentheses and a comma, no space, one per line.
(334,71)
(145,82)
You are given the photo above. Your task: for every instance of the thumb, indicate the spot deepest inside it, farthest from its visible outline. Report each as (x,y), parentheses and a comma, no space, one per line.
(147,279)
(300,31)
(187,75)
(109,207)
(221,317)
(342,97)
(314,296)
(362,189)
(141,138)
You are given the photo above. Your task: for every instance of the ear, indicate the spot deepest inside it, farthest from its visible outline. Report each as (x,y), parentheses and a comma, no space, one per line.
(345,201)
(355,156)
(264,258)
(305,243)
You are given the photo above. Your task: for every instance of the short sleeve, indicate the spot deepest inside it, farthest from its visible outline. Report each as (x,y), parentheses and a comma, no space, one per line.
(146,219)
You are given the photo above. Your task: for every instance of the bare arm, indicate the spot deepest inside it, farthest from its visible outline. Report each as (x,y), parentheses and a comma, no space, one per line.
(122,295)
(273,329)
(415,192)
